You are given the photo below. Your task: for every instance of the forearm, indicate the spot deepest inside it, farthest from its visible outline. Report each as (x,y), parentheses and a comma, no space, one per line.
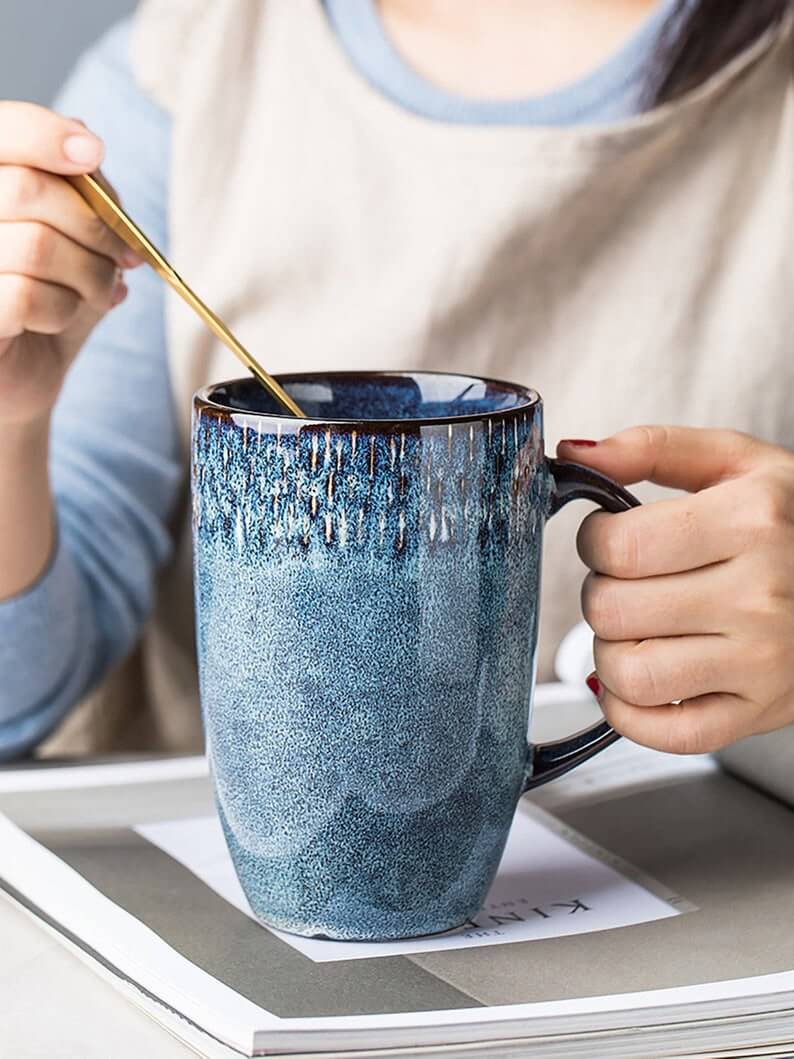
(27,524)
(84,528)
(49,653)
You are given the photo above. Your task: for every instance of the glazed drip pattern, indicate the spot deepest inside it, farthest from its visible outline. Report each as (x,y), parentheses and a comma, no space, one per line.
(258,486)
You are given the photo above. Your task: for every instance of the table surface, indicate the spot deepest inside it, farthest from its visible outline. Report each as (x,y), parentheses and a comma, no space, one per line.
(53,1006)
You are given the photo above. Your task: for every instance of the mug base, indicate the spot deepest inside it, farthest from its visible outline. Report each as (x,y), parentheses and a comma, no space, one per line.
(355,936)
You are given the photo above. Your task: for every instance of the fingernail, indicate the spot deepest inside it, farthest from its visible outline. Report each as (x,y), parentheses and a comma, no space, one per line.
(595,686)
(130,259)
(579,443)
(83,149)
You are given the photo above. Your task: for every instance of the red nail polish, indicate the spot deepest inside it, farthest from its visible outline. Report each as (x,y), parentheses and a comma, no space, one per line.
(579,443)
(595,685)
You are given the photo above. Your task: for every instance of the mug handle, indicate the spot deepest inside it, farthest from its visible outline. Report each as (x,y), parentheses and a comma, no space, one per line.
(547,761)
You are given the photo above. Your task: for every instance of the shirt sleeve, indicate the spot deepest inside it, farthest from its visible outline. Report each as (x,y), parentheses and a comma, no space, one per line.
(115,460)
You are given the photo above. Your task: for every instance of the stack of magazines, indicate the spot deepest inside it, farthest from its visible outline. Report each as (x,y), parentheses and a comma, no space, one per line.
(644,907)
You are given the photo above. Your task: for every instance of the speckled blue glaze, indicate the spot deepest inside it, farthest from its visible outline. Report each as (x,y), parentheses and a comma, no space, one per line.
(367,615)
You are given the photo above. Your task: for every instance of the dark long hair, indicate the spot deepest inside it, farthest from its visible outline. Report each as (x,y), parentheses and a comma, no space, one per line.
(703,35)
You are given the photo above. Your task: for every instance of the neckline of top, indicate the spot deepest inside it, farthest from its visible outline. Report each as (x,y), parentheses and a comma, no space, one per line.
(326,63)
(366,41)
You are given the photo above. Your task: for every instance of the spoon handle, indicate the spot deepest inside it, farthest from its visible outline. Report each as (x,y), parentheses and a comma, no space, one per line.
(97,193)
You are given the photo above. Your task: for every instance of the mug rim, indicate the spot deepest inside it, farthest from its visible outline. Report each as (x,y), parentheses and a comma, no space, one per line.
(203,399)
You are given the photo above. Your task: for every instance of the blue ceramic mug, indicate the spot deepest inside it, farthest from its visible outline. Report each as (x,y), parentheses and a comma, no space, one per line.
(367,585)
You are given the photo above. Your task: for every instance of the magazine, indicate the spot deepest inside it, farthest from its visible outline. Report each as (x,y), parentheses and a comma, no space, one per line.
(655,919)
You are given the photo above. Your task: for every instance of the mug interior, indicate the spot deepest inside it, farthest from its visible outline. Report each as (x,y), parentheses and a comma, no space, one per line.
(385,396)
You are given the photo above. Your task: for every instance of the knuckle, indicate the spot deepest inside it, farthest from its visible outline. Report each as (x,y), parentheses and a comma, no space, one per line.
(97,232)
(655,439)
(771,505)
(38,247)
(621,548)
(101,239)
(686,741)
(770,594)
(685,734)
(23,297)
(22,187)
(601,607)
(691,734)
(637,681)
(773,656)
(657,436)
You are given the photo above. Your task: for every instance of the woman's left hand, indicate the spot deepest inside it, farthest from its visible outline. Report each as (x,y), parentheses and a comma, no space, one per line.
(692,599)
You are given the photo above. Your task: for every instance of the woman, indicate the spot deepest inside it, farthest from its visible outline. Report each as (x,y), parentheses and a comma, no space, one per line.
(405,184)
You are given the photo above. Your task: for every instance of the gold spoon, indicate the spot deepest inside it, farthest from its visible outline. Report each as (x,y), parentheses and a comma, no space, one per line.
(99,196)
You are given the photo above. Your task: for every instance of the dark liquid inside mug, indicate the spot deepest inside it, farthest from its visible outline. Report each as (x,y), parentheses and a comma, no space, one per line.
(367,585)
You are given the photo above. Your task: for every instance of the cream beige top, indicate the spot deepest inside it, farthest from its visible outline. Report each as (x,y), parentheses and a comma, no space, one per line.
(639,272)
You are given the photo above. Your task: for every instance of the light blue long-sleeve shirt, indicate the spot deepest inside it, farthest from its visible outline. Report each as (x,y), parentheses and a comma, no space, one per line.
(116,468)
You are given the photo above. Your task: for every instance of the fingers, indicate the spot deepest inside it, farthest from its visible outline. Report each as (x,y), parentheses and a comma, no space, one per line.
(691,599)
(660,671)
(679,457)
(667,537)
(675,605)
(32,305)
(40,252)
(33,136)
(696,726)
(32,195)
(696,530)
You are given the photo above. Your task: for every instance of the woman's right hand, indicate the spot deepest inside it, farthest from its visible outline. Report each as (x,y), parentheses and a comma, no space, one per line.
(60,266)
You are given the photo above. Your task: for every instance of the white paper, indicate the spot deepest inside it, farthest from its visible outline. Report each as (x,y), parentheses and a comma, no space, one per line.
(546,887)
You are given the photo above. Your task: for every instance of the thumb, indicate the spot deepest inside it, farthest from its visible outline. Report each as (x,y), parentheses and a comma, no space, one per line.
(678,457)
(36,137)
